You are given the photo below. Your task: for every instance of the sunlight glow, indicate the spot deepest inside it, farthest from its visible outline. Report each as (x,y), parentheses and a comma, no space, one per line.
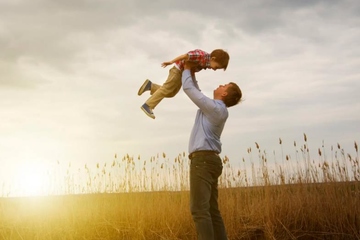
(31,180)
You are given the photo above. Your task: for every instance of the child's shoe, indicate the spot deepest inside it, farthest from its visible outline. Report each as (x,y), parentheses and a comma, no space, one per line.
(147,110)
(145,87)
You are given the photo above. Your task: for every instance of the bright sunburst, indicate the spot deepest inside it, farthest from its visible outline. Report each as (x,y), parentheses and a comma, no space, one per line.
(31,179)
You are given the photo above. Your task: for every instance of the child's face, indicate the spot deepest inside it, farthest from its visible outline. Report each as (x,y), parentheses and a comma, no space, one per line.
(214,65)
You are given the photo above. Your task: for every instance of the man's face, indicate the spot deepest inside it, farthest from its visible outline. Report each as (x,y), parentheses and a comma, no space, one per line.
(221,91)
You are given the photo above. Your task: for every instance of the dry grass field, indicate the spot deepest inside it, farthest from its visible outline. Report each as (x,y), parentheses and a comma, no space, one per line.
(134,199)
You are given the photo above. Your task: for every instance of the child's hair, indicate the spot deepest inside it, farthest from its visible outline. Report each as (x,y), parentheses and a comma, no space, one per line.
(233,96)
(221,57)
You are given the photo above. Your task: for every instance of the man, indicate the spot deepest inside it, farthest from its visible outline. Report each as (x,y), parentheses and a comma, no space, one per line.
(204,149)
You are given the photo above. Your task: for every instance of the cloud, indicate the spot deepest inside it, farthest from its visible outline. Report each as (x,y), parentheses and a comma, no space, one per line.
(70,71)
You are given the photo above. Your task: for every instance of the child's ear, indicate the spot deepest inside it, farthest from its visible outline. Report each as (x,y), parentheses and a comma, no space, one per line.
(213,58)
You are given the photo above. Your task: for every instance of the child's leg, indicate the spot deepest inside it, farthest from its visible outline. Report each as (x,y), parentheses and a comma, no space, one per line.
(169,89)
(154,88)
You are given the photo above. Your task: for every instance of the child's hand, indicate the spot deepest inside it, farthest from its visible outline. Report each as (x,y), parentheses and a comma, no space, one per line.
(164,64)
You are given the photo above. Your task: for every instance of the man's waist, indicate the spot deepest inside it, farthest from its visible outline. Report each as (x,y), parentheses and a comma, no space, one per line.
(201,153)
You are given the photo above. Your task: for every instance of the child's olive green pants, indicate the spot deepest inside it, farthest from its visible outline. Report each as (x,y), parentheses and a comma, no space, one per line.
(168,90)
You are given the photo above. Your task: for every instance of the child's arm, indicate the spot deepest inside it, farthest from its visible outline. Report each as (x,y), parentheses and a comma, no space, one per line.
(179,58)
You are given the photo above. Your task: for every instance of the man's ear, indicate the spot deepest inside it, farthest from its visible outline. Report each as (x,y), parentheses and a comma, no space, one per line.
(224,94)
(213,58)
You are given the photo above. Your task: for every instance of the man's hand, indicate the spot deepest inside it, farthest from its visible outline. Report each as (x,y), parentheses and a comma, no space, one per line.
(189,65)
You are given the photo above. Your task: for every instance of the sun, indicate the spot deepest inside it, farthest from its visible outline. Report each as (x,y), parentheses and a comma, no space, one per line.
(31,179)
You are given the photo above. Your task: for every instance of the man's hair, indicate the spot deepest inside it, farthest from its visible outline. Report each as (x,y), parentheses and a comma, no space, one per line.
(221,57)
(233,96)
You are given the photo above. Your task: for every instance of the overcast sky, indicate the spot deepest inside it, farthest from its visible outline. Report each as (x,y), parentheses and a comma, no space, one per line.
(70,72)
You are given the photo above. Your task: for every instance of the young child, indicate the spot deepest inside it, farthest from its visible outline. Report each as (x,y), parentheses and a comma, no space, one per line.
(217,59)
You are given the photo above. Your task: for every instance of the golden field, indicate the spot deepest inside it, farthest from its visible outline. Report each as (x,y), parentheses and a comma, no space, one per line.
(298,198)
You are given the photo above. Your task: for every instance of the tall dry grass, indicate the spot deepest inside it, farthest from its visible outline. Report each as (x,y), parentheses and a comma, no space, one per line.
(298,196)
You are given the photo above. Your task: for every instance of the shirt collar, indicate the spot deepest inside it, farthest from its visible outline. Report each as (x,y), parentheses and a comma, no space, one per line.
(220,101)
(207,64)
